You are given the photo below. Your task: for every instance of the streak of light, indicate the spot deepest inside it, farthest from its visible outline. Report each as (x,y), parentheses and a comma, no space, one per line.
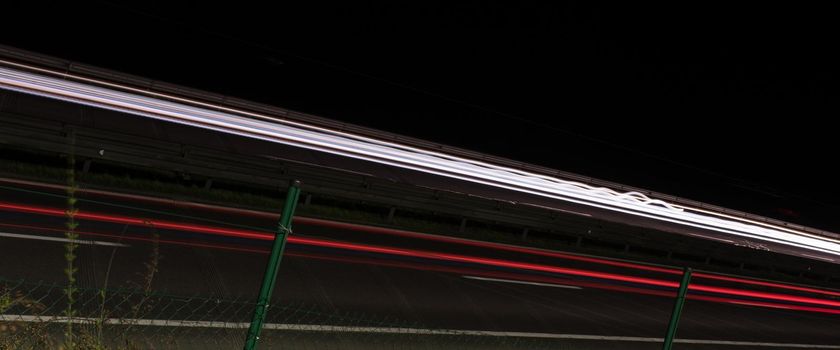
(421,254)
(432,237)
(555,280)
(66,87)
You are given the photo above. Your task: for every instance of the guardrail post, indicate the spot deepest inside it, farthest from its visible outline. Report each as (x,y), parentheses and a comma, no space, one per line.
(678,306)
(270,276)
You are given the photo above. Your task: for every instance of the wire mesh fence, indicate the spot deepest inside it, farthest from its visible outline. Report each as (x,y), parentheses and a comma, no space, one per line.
(127,251)
(62,314)
(35,316)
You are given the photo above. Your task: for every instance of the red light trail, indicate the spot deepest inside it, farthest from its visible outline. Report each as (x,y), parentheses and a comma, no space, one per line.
(417,254)
(430,237)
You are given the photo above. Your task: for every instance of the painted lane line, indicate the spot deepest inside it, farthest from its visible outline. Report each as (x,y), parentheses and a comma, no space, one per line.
(521,282)
(393,330)
(63,240)
(760,304)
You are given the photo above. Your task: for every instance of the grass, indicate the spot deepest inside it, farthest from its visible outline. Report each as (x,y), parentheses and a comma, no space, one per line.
(14,335)
(22,335)
(70,248)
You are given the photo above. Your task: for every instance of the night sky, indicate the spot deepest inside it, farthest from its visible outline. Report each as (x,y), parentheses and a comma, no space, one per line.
(729,105)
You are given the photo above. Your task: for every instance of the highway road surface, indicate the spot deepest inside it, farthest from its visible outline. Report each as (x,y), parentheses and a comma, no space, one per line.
(420,281)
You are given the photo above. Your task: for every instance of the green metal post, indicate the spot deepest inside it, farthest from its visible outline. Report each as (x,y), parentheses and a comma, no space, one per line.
(678,306)
(270,276)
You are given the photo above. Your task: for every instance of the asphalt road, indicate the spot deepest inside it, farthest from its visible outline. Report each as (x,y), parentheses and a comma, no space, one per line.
(496,290)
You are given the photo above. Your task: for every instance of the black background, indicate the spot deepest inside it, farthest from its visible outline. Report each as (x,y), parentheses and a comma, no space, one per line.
(733,105)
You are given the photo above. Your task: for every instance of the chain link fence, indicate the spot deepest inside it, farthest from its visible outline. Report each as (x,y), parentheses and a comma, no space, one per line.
(34,316)
(65,311)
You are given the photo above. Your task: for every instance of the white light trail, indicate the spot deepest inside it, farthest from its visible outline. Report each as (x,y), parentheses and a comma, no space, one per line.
(267,128)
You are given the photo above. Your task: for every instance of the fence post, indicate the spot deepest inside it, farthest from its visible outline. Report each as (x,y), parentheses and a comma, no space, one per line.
(678,306)
(270,276)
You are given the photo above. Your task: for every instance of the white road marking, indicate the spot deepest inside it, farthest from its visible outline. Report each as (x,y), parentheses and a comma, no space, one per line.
(521,282)
(58,239)
(391,330)
(759,305)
